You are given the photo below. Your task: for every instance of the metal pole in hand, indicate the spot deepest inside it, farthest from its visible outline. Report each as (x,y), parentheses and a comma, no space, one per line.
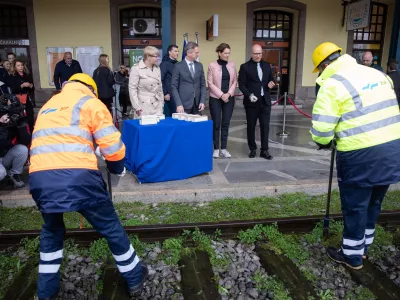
(328,202)
(284,133)
(109,184)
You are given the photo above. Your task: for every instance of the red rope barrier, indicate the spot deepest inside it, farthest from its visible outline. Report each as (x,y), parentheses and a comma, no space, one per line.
(300,111)
(276,102)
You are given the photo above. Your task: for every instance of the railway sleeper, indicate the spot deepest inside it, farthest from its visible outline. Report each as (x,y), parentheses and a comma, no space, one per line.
(287,272)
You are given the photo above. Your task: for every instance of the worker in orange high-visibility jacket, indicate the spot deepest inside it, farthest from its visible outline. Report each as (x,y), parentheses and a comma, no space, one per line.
(64,177)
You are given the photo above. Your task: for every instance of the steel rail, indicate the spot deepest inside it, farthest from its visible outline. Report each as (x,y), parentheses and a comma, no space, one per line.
(228,229)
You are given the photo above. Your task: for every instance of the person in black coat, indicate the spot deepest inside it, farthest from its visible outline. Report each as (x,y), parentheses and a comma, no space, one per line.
(395,76)
(122,79)
(21,84)
(5,67)
(255,80)
(167,67)
(104,78)
(65,69)
(14,139)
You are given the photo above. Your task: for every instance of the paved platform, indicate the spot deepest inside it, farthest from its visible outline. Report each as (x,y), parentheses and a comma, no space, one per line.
(297,167)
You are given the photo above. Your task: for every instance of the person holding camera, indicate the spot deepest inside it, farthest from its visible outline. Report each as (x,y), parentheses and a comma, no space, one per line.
(21,84)
(14,138)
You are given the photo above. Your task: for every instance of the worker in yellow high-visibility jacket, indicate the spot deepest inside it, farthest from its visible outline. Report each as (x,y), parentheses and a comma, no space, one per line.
(357,106)
(64,177)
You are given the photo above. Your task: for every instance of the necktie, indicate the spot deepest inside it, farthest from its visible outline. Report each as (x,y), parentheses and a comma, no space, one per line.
(191,69)
(260,75)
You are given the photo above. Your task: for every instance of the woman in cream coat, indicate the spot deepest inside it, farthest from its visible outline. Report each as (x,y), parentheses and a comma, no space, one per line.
(145,87)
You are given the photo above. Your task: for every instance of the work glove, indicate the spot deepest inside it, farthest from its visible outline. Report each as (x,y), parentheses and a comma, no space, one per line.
(253,98)
(99,154)
(329,146)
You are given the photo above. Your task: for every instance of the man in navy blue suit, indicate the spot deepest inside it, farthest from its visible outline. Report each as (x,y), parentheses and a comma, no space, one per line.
(255,80)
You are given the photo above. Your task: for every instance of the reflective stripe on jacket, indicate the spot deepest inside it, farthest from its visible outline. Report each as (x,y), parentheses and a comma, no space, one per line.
(65,128)
(357,104)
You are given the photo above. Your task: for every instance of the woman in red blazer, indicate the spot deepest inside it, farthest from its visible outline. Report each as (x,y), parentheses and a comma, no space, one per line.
(222,81)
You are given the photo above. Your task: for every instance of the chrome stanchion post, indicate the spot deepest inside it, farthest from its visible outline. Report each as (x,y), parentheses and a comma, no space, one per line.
(284,133)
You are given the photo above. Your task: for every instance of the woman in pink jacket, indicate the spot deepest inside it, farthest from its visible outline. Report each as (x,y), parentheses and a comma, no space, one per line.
(222,81)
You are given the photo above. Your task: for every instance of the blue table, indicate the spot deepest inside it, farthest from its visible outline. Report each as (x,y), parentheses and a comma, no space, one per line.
(169,150)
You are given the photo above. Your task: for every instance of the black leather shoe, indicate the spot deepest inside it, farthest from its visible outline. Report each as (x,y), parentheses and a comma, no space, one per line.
(252,153)
(133,291)
(265,154)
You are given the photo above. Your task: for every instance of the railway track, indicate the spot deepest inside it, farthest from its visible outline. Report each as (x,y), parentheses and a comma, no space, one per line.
(198,275)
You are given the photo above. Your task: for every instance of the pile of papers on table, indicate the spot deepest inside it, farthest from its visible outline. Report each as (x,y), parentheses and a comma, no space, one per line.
(189,117)
(151,119)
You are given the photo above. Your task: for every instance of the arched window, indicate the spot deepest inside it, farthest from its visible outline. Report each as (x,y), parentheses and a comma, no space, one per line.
(371,38)
(272,25)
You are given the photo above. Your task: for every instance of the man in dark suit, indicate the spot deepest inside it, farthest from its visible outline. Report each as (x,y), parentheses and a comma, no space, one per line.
(255,80)
(188,84)
(65,69)
(395,76)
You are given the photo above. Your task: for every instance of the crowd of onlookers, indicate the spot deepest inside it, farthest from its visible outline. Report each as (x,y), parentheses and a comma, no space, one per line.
(150,88)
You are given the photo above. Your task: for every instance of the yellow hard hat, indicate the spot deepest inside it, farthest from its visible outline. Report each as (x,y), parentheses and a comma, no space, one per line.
(322,52)
(85,79)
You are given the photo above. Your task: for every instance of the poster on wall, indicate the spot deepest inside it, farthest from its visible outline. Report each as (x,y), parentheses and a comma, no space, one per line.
(136,55)
(54,55)
(88,58)
(358,15)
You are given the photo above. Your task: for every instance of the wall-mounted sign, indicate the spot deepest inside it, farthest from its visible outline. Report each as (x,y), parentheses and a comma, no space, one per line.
(88,57)
(212,28)
(135,55)
(358,15)
(54,55)
(14,42)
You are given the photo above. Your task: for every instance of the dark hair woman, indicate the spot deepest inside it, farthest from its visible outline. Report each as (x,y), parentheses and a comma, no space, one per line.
(222,81)
(21,84)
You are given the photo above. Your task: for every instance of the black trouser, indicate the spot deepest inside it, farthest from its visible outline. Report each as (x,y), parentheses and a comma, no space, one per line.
(30,114)
(217,106)
(263,113)
(124,101)
(108,102)
(194,110)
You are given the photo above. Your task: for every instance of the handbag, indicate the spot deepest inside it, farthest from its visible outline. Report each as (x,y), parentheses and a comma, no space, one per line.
(22,98)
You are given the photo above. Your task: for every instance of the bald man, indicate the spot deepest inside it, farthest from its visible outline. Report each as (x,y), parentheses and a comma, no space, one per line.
(368,60)
(65,69)
(255,80)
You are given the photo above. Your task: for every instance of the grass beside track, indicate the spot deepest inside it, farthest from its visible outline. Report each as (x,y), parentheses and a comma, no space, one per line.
(131,214)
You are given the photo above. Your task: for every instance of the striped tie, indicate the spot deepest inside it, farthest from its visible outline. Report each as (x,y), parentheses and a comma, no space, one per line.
(260,75)
(191,70)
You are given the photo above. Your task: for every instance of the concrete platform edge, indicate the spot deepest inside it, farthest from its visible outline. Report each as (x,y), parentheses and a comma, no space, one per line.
(198,194)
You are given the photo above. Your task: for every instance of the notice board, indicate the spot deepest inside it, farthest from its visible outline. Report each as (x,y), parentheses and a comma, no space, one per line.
(54,55)
(88,58)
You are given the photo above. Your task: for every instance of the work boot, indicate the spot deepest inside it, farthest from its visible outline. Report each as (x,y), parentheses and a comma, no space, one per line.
(338,256)
(135,290)
(16,181)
